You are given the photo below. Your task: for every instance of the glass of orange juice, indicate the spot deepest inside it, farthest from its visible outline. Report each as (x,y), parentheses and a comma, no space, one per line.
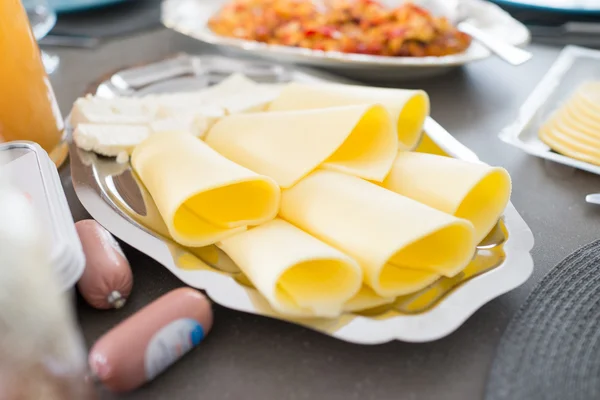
(28,107)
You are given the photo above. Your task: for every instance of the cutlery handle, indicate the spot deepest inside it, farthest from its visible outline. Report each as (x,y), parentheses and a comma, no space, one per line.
(506,51)
(593,198)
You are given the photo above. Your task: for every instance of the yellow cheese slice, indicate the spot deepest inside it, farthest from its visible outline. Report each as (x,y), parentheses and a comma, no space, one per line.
(298,274)
(202,196)
(565,149)
(574,129)
(402,245)
(476,192)
(366,299)
(408,108)
(568,146)
(589,93)
(288,145)
(576,119)
(584,108)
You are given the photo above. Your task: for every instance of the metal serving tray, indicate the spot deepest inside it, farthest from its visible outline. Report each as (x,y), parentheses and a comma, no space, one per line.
(113,195)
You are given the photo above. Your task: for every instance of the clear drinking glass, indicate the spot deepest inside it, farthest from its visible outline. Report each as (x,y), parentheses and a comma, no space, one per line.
(42,19)
(28,107)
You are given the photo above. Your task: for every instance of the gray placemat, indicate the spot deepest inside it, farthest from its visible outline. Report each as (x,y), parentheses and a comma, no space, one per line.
(551,348)
(121,19)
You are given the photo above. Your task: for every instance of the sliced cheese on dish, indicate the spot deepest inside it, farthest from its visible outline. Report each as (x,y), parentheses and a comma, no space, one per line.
(298,274)
(589,93)
(476,192)
(569,146)
(566,149)
(408,108)
(575,130)
(576,119)
(584,108)
(115,111)
(202,196)
(366,299)
(287,146)
(110,140)
(402,245)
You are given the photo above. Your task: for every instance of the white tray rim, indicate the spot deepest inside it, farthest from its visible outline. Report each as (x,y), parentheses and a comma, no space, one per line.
(512,133)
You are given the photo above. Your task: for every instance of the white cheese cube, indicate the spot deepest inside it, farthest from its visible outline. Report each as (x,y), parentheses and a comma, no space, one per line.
(110,140)
(120,111)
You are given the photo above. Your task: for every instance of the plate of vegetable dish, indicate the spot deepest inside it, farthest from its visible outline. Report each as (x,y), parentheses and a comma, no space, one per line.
(367,38)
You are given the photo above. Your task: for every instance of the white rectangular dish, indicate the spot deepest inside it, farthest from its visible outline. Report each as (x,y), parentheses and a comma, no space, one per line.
(574,66)
(31,171)
(113,195)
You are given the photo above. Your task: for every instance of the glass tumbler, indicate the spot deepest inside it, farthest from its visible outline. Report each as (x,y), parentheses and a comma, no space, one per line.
(42,19)
(28,107)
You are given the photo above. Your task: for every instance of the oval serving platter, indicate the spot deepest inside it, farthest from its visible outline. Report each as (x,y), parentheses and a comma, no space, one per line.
(190,17)
(113,195)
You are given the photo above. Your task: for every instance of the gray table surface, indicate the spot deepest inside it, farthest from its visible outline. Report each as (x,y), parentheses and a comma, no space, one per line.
(251,357)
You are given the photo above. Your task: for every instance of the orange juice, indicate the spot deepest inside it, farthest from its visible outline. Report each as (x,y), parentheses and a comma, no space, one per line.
(28,107)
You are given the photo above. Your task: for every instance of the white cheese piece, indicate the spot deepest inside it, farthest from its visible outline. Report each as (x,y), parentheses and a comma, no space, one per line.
(197,125)
(110,140)
(230,86)
(254,99)
(122,157)
(174,110)
(196,120)
(120,111)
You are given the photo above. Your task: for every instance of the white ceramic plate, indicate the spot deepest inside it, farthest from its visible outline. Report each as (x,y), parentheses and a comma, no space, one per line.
(190,17)
(113,196)
(574,66)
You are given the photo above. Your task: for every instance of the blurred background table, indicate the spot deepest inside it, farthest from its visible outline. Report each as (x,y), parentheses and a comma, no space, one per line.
(251,357)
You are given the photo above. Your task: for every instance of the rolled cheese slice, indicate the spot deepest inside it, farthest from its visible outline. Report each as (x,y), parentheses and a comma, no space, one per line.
(408,108)
(202,196)
(298,274)
(288,145)
(402,245)
(476,192)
